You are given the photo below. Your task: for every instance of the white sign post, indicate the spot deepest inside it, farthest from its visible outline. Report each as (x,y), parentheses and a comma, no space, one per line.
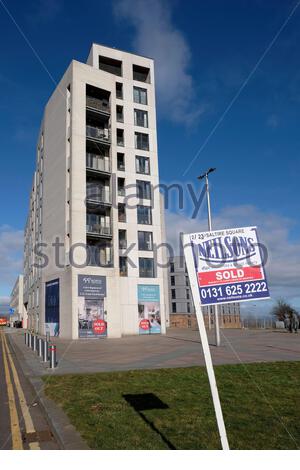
(223,266)
(189,259)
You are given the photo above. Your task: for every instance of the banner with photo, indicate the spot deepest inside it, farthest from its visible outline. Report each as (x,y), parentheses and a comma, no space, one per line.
(149,309)
(92,318)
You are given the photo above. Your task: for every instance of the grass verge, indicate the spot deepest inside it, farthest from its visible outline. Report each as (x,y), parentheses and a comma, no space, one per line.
(172,408)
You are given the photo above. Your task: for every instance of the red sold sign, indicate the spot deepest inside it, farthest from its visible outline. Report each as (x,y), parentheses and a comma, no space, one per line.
(99,327)
(223,276)
(144,324)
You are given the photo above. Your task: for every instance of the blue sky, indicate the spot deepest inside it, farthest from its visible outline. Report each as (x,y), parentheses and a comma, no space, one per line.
(214,53)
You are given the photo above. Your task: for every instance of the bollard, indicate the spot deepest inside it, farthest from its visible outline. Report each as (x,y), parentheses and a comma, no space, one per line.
(52,351)
(40,347)
(28,338)
(45,351)
(25,337)
(34,343)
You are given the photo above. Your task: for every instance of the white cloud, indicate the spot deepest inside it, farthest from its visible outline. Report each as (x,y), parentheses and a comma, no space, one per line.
(156,36)
(11,256)
(283,265)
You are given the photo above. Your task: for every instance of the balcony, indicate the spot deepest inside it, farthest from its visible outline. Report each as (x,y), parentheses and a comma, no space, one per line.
(98,133)
(96,104)
(100,256)
(98,194)
(98,230)
(97,163)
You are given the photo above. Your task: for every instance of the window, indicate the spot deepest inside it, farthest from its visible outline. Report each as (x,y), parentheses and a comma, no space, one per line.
(173,307)
(120,137)
(143,189)
(121,186)
(172,280)
(119,90)
(140,118)
(120,116)
(140,95)
(144,215)
(187,282)
(121,212)
(142,165)
(142,74)
(145,241)
(141,141)
(171,267)
(188,305)
(110,65)
(173,292)
(122,239)
(187,294)
(121,161)
(146,267)
(123,266)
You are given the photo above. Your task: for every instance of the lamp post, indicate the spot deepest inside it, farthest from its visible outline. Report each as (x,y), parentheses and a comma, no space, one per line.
(201,177)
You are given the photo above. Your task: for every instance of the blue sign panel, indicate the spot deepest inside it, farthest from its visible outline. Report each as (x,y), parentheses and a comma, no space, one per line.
(52,307)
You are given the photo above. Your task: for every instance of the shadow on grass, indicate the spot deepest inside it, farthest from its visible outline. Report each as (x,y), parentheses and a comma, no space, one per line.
(148,401)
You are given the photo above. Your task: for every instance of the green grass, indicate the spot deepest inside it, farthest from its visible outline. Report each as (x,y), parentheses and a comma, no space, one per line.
(261,406)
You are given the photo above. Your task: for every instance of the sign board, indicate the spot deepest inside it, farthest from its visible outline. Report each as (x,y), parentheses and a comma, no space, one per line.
(52,308)
(11,311)
(189,255)
(92,321)
(149,309)
(229,266)
(91,287)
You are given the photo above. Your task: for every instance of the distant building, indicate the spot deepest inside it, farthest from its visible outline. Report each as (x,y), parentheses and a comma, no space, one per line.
(16,302)
(182,311)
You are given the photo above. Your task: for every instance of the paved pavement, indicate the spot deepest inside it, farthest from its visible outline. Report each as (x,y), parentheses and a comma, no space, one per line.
(22,421)
(179,348)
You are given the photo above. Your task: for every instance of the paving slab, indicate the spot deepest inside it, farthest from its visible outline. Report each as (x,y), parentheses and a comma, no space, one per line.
(178,348)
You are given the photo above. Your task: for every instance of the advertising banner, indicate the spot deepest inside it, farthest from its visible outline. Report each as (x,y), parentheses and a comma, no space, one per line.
(92,321)
(149,309)
(229,266)
(52,308)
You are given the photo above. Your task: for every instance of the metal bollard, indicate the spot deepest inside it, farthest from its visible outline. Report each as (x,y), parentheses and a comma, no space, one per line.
(25,337)
(28,339)
(45,351)
(34,343)
(40,347)
(52,350)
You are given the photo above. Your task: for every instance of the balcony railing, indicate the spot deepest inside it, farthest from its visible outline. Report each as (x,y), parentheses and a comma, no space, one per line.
(98,133)
(97,162)
(98,229)
(98,194)
(100,256)
(96,103)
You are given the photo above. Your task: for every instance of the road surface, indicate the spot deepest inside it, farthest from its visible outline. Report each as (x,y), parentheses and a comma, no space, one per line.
(22,422)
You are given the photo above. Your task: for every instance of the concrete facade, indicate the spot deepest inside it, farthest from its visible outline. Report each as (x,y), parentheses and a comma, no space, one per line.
(79,188)
(16,302)
(182,311)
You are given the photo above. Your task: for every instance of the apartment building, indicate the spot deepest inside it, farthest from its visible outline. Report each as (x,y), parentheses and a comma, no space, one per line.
(16,302)
(182,311)
(91,266)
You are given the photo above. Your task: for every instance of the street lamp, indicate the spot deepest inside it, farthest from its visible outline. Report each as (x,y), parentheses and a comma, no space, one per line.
(201,177)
